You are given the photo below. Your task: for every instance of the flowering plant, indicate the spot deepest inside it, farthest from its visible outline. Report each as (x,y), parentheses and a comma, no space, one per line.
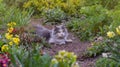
(10,39)
(113,36)
(4,60)
(64,59)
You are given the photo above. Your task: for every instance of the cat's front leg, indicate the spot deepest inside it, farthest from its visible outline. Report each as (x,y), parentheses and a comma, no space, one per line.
(62,43)
(51,41)
(68,40)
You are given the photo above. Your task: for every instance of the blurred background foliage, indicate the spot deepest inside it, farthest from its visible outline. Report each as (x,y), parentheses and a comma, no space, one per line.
(85,18)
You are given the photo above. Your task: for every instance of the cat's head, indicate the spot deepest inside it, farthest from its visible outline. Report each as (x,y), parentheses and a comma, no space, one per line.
(59,31)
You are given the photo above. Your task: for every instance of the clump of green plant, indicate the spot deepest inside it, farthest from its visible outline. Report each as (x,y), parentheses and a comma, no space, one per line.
(54,15)
(20,56)
(64,59)
(70,7)
(15,14)
(114,15)
(109,4)
(105,62)
(17,3)
(113,46)
(96,49)
(92,22)
(9,14)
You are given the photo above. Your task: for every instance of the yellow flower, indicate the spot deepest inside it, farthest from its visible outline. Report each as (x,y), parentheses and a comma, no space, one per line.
(10,29)
(11,43)
(11,24)
(118,30)
(8,36)
(62,52)
(27,5)
(16,40)
(4,48)
(110,34)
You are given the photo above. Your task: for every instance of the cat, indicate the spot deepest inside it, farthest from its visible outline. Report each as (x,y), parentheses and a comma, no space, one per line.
(42,32)
(58,34)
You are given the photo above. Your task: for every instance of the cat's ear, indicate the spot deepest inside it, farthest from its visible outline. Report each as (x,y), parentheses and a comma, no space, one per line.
(63,25)
(55,26)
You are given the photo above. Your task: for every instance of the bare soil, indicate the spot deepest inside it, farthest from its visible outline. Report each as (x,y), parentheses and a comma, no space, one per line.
(76,46)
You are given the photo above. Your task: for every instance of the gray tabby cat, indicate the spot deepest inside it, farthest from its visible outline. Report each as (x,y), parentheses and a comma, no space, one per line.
(58,35)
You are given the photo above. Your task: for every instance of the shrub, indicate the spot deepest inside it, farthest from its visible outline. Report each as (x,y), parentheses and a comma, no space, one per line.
(54,15)
(109,4)
(113,46)
(64,59)
(92,22)
(105,62)
(96,49)
(70,6)
(20,56)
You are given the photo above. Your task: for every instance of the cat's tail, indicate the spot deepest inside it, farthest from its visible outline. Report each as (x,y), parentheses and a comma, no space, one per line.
(38,27)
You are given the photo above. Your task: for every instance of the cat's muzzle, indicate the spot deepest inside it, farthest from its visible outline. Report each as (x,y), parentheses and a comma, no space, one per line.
(60,36)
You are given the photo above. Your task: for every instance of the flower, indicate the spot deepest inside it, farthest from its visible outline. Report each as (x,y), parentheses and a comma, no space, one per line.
(4,65)
(8,36)
(11,43)
(54,61)
(110,34)
(4,60)
(10,30)
(4,48)
(11,24)
(118,30)
(75,65)
(62,52)
(16,40)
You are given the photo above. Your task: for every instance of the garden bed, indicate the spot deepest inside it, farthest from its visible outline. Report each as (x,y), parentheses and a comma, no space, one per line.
(77,46)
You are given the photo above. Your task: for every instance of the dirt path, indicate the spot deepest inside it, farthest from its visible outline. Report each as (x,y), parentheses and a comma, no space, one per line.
(76,46)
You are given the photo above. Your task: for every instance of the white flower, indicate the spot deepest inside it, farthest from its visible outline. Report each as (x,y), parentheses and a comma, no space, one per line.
(106,55)
(54,61)
(75,64)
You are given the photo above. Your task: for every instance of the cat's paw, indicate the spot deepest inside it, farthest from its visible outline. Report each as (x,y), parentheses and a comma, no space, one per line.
(62,43)
(68,40)
(51,41)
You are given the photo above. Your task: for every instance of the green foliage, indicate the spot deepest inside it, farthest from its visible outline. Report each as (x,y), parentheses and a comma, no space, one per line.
(91,23)
(54,15)
(96,49)
(70,7)
(109,4)
(17,3)
(64,59)
(114,15)
(13,14)
(20,17)
(30,57)
(113,46)
(105,62)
